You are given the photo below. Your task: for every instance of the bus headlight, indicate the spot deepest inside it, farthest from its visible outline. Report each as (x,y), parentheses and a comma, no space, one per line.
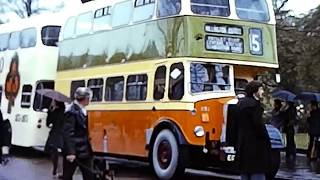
(199,131)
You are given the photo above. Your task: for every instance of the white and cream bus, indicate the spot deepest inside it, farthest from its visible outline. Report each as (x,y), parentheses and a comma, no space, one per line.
(28,60)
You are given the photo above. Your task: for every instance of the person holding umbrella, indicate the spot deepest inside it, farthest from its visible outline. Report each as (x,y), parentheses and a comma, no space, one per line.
(55,139)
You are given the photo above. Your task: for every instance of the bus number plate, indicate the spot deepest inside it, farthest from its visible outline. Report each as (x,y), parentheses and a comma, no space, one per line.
(224,44)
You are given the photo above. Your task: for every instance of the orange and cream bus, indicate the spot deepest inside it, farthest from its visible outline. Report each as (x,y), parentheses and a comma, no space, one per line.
(163,72)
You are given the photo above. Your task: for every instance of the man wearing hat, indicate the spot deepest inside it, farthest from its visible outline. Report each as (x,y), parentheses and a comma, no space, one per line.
(77,149)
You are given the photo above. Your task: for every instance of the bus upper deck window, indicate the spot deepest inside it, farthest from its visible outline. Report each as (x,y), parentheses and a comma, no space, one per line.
(176,81)
(50,35)
(211,7)
(252,10)
(84,23)
(143,10)
(102,19)
(28,37)
(69,27)
(4,42)
(14,41)
(209,77)
(168,7)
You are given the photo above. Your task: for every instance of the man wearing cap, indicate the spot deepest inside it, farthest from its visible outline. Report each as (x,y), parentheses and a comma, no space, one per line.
(77,149)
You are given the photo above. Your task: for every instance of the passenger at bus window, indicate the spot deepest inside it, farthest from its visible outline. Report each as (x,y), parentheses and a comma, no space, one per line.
(118,91)
(221,83)
(168,7)
(199,7)
(199,76)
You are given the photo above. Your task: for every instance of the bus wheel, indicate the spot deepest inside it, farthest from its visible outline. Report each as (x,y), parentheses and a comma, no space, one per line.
(275,164)
(165,156)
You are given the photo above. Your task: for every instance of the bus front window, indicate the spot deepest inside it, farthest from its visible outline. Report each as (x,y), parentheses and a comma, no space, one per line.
(211,7)
(206,77)
(252,10)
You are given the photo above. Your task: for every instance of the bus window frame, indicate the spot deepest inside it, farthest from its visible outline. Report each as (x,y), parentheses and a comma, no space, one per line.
(114,14)
(9,46)
(43,28)
(8,39)
(166,16)
(165,82)
(68,25)
(123,88)
(198,14)
(88,31)
(101,89)
(150,6)
(72,91)
(35,94)
(231,86)
(255,20)
(184,81)
(137,84)
(107,26)
(29,94)
(36,37)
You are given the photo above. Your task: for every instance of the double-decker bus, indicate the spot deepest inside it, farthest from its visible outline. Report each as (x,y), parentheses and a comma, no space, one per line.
(163,72)
(28,60)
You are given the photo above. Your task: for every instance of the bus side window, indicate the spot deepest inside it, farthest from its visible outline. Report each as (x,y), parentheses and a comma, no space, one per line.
(28,38)
(137,87)
(102,19)
(176,81)
(122,13)
(75,85)
(114,88)
(26,96)
(50,35)
(159,83)
(96,86)
(168,7)
(4,42)
(14,41)
(143,10)
(41,102)
(84,23)
(69,27)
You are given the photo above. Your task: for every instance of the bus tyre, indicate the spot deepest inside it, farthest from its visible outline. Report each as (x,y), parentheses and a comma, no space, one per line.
(275,164)
(165,157)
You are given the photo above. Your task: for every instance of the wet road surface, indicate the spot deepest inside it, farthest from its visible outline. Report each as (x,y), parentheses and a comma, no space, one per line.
(28,164)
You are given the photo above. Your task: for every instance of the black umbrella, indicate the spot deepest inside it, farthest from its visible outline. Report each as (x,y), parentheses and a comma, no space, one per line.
(55,95)
(309,96)
(284,95)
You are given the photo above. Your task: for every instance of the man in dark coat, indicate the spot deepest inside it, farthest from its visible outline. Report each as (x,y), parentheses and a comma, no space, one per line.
(55,139)
(77,148)
(254,147)
(314,126)
(288,128)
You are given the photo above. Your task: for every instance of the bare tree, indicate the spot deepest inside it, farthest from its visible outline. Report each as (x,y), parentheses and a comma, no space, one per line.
(25,8)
